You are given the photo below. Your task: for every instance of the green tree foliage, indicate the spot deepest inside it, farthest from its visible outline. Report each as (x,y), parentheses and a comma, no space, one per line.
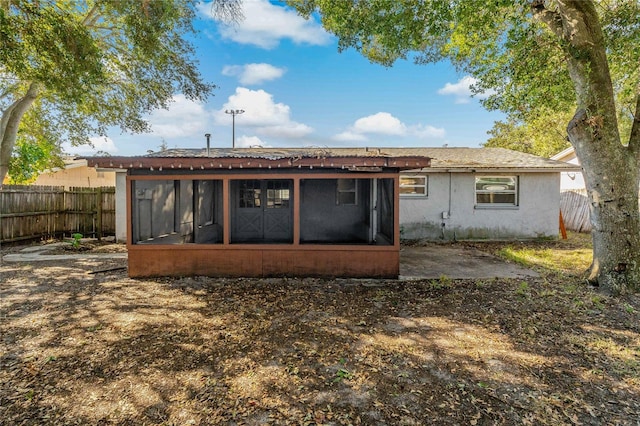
(93,64)
(31,158)
(35,152)
(544,135)
(535,56)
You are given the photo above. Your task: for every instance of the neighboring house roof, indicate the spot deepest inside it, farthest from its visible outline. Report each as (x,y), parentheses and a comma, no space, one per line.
(436,159)
(69,163)
(565,155)
(489,159)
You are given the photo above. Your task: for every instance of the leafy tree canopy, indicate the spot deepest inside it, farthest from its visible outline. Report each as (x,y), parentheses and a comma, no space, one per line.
(92,65)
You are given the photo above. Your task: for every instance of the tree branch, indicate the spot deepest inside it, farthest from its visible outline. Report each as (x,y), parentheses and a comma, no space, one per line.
(228,11)
(19,107)
(9,125)
(91,17)
(552,19)
(8,90)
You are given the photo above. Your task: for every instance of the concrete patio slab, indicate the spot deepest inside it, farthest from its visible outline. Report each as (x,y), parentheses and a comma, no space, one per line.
(431,261)
(456,262)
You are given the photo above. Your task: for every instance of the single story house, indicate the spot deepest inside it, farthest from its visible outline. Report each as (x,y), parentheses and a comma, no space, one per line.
(481,193)
(333,211)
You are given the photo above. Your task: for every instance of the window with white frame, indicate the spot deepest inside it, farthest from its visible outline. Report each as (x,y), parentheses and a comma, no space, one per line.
(496,191)
(413,186)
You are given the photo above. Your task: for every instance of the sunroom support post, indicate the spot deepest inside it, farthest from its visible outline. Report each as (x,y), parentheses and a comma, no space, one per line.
(129,208)
(396,210)
(373,214)
(226,212)
(296,211)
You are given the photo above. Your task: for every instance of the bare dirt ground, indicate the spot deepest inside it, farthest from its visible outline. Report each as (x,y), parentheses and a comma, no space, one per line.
(78,348)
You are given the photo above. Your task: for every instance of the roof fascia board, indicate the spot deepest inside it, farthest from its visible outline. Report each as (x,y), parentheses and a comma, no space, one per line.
(504,170)
(217,163)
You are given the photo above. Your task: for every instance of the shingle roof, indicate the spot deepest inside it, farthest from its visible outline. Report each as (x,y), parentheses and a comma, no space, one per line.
(441,158)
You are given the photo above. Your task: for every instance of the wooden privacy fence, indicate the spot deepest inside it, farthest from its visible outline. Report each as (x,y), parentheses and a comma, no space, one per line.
(31,212)
(574,206)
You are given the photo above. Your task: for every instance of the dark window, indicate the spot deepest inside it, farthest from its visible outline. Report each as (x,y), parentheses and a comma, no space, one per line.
(177,211)
(347,211)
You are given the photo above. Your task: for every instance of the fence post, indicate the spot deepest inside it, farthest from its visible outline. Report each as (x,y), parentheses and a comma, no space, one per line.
(563,230)
(99,213)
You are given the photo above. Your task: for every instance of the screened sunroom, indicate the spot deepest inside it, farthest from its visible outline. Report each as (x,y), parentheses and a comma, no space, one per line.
(247,212)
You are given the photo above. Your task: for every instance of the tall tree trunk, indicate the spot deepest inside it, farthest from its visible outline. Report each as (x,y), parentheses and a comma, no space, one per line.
(611,169)
(9,124)
(611,177)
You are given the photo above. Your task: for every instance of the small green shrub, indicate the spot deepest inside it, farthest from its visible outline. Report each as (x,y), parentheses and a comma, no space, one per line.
(75,243)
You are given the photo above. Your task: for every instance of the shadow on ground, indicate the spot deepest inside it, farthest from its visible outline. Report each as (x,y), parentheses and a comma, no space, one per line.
(79,348)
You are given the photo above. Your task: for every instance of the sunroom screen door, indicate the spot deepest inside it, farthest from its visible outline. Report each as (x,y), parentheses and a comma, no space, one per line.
(261,211)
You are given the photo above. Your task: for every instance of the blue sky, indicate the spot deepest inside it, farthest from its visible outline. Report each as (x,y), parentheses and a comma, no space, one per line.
(297,90)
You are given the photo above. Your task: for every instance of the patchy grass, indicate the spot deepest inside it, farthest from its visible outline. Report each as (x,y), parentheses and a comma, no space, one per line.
(572,256)
(79,348)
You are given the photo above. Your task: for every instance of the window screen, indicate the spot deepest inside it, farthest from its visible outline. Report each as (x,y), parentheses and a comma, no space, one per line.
(497,190)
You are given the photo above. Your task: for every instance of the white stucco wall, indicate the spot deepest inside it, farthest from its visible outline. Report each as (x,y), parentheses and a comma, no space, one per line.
(536,216)
(121,207)
(572,180)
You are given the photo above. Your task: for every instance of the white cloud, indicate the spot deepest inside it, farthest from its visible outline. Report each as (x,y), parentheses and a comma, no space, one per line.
(104,143)
(425,132)
(383,123)
(249,141)
(289,130)
(462,90)
(349,136)
(100,144)
(261,113)
(249,74)
(183,118)
(265,24)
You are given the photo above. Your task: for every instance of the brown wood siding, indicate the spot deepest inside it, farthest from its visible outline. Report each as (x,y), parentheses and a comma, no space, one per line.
(333,261)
